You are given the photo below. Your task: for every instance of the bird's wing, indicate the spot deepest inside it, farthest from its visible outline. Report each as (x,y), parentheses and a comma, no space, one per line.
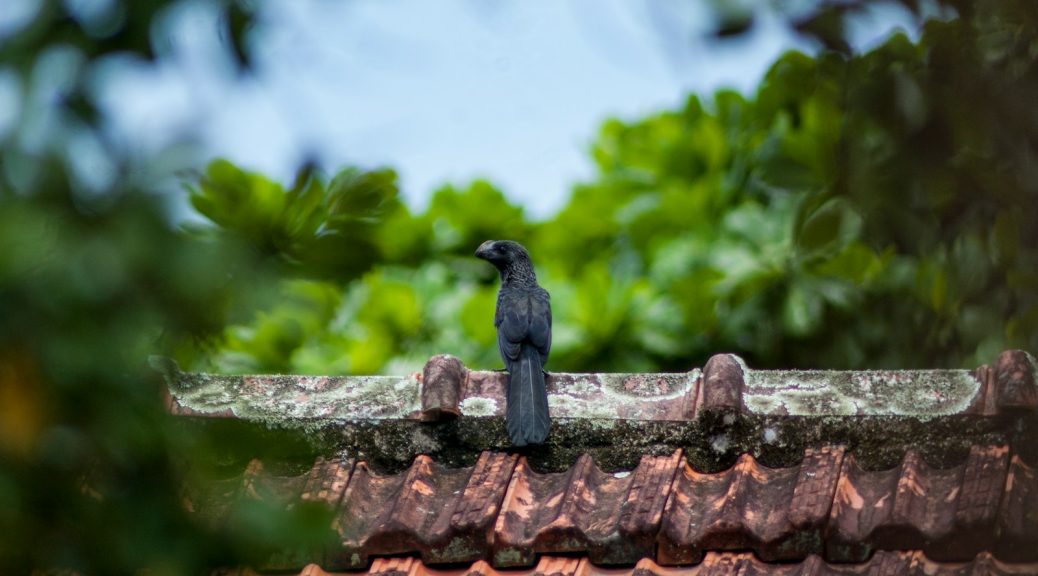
(523,316)
(540,323)
(513,322)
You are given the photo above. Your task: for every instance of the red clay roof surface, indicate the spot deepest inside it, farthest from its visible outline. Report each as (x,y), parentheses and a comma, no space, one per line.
(502,512)
(832,512)
(713,564)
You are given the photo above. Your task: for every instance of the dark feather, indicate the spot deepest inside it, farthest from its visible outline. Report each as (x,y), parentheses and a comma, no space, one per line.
(527,416)
(523,321)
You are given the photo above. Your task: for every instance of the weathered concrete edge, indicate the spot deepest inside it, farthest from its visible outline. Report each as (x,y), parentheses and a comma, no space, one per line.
(711,443)
(446,389)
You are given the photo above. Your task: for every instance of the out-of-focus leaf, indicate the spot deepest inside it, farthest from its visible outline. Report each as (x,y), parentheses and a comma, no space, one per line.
(734,25)
(391,306)
(321,231)
(827,229)
(827,26)
(802,311)
(476,315)
(1006,236)
(856,263)
(304,211)
(356,197)
(462,219)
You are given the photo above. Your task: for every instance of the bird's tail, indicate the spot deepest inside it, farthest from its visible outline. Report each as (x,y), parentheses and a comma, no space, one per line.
(527,416)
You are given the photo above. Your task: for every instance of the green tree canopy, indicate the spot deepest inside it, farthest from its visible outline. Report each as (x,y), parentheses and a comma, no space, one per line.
(94,278)
(859,211)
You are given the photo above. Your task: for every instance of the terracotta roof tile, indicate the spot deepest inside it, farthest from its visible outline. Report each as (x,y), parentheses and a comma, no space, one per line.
(224,504)
(750,506)
(327,481)
(502,511)
(442,513)
(713,564)
(877,472)
(983,480)
(1017,525)
(951,512)
(1015,376)
(815,487)
(612,517)
(441,382)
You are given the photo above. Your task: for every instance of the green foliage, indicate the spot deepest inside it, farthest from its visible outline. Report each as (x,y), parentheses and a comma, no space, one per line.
(94,278)
(317,229)
(858,211)
(867,210)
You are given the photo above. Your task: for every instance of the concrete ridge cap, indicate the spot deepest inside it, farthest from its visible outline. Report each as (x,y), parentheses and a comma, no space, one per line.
(446,389)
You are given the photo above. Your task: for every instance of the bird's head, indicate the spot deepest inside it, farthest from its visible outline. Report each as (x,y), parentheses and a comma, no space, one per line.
(501,253)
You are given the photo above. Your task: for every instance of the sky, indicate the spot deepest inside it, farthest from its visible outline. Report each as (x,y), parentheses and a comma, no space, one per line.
(451,91)
(444,92)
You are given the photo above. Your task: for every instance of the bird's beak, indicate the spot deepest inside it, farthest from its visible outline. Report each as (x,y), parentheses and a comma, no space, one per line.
(484,249)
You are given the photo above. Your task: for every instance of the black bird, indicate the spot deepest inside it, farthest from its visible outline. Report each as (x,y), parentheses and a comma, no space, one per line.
(523,322)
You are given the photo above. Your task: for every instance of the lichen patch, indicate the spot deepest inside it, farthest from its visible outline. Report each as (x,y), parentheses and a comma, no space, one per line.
(479,406)
(620,396)
(919,393)
(297,400)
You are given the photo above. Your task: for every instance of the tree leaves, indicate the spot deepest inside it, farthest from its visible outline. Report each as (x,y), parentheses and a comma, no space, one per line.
(326,231)
(854,205)
(827,229)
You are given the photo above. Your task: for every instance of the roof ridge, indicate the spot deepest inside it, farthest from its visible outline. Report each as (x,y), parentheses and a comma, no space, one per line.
(446,389)
(714,414)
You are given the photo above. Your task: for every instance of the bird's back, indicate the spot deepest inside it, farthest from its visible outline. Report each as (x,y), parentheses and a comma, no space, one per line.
(523,317)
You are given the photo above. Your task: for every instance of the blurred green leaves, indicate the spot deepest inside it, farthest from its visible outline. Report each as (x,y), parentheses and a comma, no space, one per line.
(95,277)
(826,229)
(320,229)
(858,211)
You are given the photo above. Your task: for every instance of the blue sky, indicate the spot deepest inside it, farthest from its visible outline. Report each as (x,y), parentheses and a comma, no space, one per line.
(442,91)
